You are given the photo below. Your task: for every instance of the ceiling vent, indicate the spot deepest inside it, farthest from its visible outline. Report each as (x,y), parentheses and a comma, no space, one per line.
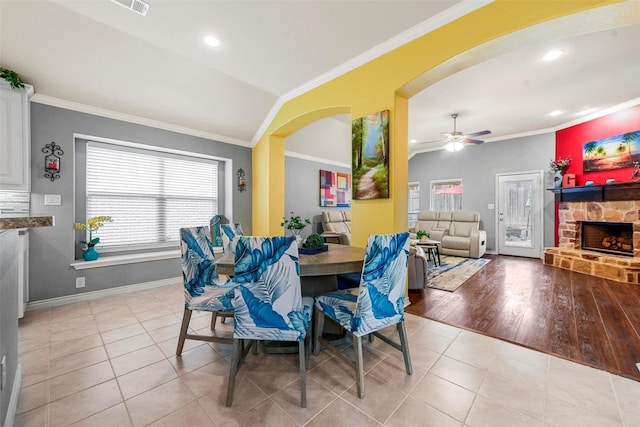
(137,6)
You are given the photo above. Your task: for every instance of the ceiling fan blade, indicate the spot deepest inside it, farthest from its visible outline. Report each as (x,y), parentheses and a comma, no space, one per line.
(473,141)
(482,132)
(432,142)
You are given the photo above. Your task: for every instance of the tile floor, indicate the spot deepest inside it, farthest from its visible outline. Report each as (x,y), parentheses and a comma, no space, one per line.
(111,362)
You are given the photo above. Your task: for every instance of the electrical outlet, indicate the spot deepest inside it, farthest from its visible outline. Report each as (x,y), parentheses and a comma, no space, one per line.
(3,372)
(79,282)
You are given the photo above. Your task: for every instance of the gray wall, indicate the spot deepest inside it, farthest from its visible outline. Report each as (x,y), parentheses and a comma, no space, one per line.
(302,191)
(478,166)
(8,313)
(52,248)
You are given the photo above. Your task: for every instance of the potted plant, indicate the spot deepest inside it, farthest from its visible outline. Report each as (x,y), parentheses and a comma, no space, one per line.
(422,235)
(92,225)
(295,224)
(313,243)
(559,167)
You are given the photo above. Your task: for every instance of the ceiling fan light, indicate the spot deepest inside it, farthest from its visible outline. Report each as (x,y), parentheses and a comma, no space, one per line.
(454,146)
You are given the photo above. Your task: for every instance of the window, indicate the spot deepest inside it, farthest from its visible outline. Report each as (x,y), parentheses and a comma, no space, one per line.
(446,195)
(414,202)
(150,194)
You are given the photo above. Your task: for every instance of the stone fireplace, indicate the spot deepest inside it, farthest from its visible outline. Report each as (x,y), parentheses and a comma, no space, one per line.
(612,249)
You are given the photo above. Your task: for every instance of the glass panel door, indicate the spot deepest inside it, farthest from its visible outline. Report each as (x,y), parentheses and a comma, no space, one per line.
(520,214)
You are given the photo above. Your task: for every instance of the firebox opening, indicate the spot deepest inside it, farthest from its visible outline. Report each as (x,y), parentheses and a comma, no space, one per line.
(608,237)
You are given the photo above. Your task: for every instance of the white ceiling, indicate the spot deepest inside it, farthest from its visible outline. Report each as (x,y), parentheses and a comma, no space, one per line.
(96,56)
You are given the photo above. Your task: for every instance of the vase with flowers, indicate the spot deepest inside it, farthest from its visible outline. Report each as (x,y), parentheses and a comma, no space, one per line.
(559,167)
(295,224)
(92,225)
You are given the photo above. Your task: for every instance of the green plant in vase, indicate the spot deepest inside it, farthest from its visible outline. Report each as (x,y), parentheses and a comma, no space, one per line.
(295,224)
(422,235)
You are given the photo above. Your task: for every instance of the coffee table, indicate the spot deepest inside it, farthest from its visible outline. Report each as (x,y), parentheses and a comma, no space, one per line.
(432,248)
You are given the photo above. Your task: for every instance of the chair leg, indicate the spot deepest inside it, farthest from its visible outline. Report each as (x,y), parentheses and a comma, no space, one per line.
(405,347)
(357,350)
(214,316)
(235,361)
(302,355)
(186,317)
(319,326)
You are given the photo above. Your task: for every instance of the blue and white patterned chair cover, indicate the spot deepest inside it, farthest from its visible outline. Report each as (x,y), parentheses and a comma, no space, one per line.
(229,232)
(268,304)
(203,289)
(376,304)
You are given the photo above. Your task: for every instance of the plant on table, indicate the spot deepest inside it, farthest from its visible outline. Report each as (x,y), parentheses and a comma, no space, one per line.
(314,241)
(295,224)
(422,235)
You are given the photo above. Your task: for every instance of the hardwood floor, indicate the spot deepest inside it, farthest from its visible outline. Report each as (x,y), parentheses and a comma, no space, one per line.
(583,318)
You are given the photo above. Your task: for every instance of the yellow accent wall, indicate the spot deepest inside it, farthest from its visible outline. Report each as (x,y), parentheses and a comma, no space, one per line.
(374,86)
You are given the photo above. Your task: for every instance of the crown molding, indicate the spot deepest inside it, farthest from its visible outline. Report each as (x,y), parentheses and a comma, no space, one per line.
(130,118)
(451,14)
(316,159)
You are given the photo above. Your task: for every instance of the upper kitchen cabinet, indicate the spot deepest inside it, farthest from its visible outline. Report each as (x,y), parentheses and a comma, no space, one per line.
(15,138)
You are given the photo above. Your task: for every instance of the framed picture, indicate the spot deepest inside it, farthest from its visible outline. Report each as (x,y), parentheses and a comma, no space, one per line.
(335,189)
(615,152)
(370,156)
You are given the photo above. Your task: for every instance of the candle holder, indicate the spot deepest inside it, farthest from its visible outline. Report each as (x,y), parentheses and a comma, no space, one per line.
(52,161)
(242,183)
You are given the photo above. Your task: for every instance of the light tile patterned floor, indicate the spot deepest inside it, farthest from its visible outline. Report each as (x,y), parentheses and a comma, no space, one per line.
(111,362)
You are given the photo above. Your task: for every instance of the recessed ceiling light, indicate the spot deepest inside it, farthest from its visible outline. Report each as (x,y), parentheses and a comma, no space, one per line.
(553,54)
(211,40)
(413,141)
(555,113)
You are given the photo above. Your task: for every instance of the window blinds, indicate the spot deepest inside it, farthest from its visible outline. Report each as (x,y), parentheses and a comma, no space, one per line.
(149,194)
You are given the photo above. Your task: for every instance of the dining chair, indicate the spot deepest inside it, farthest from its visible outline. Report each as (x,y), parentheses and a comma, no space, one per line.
(229,232)
(376,304)
(268,302)
(203,289)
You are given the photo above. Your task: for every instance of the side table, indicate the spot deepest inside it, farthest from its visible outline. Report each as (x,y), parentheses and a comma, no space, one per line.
(432,248)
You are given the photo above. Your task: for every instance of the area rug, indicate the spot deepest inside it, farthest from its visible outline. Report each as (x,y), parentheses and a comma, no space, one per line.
(453,272)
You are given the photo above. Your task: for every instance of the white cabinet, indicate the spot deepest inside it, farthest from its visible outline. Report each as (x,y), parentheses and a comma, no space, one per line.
(15,138)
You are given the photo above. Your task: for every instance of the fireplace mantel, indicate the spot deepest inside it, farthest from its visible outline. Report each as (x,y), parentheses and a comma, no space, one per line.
(598,193)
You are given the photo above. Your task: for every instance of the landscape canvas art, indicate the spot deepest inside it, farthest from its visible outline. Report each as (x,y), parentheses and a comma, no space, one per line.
(335,189)
(370,156)
(615,152)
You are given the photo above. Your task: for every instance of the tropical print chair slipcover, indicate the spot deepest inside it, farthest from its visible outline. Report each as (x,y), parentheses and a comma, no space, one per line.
(229,232)
(268,304)
(376,304)
(203,289)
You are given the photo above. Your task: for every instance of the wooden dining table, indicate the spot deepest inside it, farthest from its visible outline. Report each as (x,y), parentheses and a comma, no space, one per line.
(318,272)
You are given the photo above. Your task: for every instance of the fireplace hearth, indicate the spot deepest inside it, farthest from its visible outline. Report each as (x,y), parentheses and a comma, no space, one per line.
(608,237)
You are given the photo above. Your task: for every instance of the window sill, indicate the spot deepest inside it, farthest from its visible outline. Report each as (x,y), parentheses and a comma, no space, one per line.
(108,261)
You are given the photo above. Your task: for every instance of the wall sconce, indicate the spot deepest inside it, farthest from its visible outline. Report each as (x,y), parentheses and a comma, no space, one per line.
(52,160)
(242,183)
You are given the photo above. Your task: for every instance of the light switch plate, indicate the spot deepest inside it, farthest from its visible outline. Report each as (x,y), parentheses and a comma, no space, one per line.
(491,206)
(52,199)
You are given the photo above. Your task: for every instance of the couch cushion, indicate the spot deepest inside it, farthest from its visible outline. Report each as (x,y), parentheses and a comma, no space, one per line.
(466,216)
(463,229)
(332,216)
(456,243)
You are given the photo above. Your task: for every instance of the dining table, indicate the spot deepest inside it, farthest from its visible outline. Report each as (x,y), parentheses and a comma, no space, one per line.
(318,271)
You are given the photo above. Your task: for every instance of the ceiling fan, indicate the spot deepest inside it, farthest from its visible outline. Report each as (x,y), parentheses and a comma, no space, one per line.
(455,140)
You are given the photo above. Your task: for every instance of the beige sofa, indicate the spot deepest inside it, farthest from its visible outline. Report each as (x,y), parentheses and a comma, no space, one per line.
(338,222)
(459,232)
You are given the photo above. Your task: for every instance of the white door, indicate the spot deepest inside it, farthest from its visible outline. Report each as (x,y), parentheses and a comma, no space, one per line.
(519,210)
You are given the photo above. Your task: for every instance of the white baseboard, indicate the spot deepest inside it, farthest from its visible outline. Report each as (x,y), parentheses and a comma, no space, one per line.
(13,400)
(54,302)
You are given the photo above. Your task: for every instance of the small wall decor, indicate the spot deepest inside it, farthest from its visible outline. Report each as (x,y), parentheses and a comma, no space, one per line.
(335,189)
(52,160)
(615,152)
(242,183)
(370,156)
